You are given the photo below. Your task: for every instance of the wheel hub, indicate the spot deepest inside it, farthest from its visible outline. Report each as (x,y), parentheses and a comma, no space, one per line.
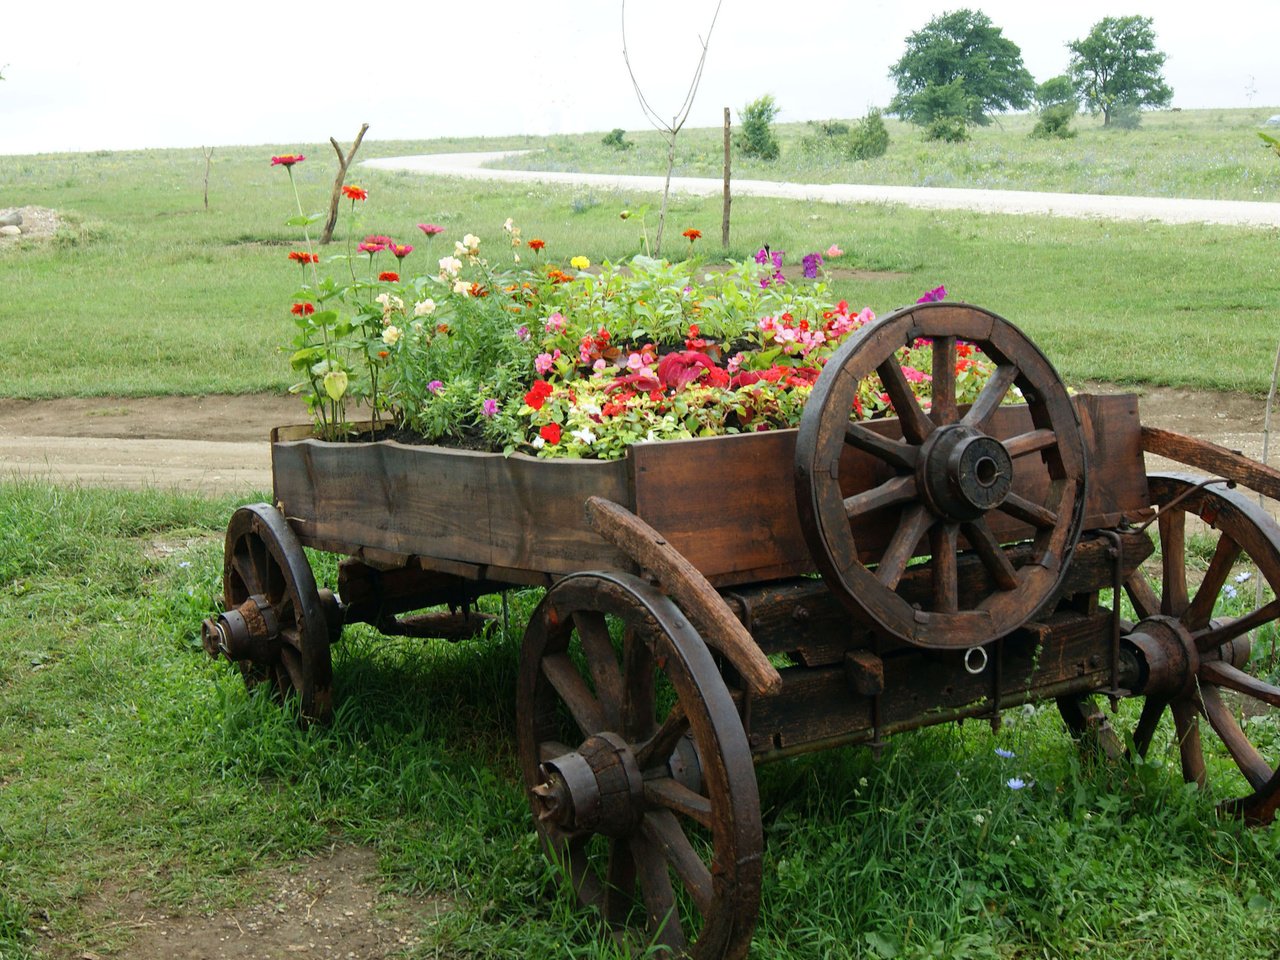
(597,788)
(250,631)
(963,473)
(1169,654)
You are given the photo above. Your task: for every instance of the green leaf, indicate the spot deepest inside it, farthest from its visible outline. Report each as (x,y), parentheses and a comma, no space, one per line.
(304,221)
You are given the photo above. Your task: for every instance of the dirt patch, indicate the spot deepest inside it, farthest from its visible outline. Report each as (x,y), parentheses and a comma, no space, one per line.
(38,223)
(219,444)
(327,908)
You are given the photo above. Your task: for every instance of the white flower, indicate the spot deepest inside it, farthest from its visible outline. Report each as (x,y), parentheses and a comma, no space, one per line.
(539,443)
(461,287)
(424,308)
(416,326)
(585,435)
(508,225)
(390,304)
(979,819)
(391,335)
(1243,576)
(449,266)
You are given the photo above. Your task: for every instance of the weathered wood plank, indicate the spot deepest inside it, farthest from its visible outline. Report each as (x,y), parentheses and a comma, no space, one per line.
(1213,459)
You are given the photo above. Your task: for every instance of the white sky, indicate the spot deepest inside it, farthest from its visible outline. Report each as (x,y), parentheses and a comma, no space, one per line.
(90,74)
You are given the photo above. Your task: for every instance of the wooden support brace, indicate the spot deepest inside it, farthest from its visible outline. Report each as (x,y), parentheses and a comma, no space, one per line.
(1212,458)
(681,580)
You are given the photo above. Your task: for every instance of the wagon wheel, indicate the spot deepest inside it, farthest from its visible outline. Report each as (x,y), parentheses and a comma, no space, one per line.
(637,767)
(952,485)
(1201,666)
(277,627)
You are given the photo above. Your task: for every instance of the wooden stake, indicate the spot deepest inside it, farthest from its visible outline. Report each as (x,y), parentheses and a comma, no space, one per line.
(728,197)
(208,162)
(344,161)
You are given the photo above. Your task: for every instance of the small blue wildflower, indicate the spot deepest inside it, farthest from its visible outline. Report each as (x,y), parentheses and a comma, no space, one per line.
(1243,576)
(1229,592)
(1005,754)
(1015,783)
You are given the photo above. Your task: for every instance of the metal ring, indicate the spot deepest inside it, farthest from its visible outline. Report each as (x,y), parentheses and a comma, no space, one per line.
(968,663)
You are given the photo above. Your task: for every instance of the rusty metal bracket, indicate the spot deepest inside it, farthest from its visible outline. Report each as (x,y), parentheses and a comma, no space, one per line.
(685,584)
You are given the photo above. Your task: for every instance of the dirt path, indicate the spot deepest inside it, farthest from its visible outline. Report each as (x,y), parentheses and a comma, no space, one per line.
(220,444)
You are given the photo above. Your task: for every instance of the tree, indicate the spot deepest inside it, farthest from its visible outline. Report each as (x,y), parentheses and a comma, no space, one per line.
(959,67)
(1056,98)
(1118,65)
(756,138)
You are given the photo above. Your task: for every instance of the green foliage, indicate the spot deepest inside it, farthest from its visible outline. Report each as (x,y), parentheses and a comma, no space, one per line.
(1056,91)
(947,130)
(756,138)
(959,65)
(1118,65)
(869,138)
(617,139)
(829,129)
(1270,142)
(1055,122)
(1126,116)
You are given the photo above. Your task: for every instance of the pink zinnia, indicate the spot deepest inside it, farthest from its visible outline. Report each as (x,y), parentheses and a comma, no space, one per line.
(370,247)
(430,229)
(400,250)
(287,160)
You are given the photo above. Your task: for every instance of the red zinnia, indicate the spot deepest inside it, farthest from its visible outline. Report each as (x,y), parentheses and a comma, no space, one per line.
(550,433)
(390,276)
(301,256)
(303,309)
(535,244)
(288,160)
(692,234)
(355,193)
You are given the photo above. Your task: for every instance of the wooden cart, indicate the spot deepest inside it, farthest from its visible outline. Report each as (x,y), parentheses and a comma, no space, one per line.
(967,557)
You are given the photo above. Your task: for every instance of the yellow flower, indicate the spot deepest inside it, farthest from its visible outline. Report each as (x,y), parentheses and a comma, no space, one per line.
(580,263)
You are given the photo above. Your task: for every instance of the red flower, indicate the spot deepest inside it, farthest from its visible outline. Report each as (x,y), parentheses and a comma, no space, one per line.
(550,433)
(692,234)
(681,367)
(538,394)
(303,309)
(383,354)
(476,290)
(431,229)
(535,244)
(301,256)
(288,160)
(355,193)
(389,276)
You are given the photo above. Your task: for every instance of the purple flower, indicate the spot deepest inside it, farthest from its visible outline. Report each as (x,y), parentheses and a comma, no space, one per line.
(1015,783)
(778,277)
(490,408)
(1005,754)
(435,386)
(934,295)
(776,257)
(762,255)
(811,261)
(522,333)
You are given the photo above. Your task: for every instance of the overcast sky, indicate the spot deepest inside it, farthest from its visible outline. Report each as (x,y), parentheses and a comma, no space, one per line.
(96,75)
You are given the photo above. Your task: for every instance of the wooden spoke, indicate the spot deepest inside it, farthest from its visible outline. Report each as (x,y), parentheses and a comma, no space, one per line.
(637,665)
(602,661)
(1227,630)
(915,425)
(1233,678)
(563,675)
(1152,710)
(1022,509)
(663,830)
(1201,607)
(550,749)
(1255,769)
(658,749)
(993,557)
(898,490)
(943,408)
(901,455)
(1187,730)
(946,576)
(1142,595)
(912,525)
(1173,562)
(659,896)
(242,562)
(1031,442)
(619,884)
(671,794)
(991,397)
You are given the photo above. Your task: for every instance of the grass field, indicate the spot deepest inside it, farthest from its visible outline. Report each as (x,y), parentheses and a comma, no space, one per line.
(130,762)
(144,292)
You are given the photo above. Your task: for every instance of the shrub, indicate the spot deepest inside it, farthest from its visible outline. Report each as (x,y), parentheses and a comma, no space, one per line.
(617,138)
(947,129)
(869,138)
(1126,116)
(756,138)
(1055,121)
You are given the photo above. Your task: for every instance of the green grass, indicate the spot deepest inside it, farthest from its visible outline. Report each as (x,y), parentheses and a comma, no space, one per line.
(1213,154)
(132,763)
(143,292)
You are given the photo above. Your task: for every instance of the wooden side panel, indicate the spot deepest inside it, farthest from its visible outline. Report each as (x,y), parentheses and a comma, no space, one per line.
(480,508)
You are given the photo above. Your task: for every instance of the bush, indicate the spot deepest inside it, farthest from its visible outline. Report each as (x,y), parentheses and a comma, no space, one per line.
(617,138)
(1055,121)
(756,138)
(869,138)
(1126,116)
(947,129)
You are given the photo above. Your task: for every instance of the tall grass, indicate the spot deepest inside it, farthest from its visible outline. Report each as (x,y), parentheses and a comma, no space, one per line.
(131,763)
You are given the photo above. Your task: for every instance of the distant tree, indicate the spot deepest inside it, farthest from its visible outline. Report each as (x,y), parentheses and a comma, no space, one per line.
(960,67)
(869,138)
(1118,65)
(756,139)
(617,138)
(1056,98)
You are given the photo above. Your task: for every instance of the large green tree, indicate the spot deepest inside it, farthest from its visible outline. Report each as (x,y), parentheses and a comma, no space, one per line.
(1118,65)
(959,66)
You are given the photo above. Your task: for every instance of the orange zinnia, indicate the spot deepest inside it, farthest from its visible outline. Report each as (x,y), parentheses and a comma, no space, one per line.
(535,244)
(355,193)
(691,234)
